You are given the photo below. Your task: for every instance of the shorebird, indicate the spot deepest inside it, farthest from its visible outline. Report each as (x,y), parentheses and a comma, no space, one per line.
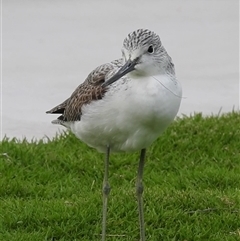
(125,105)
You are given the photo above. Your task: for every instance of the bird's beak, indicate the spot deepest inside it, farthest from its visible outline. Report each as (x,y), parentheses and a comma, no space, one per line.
(126,68)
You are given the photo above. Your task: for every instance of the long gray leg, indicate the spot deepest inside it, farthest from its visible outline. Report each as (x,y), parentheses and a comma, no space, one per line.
(139,191)
(106,190)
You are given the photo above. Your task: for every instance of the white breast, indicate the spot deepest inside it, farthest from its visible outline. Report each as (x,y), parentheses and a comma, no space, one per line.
(131,115)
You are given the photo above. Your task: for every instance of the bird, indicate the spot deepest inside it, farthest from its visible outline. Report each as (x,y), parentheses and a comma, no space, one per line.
(124,106)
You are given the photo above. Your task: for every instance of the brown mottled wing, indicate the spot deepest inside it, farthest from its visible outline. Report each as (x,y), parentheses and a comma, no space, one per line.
(91,89)
(59,109)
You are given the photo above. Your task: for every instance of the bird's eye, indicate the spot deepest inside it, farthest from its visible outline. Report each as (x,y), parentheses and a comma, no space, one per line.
(150,49)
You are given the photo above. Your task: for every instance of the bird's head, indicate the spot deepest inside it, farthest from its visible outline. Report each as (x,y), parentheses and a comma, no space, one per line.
(143,55)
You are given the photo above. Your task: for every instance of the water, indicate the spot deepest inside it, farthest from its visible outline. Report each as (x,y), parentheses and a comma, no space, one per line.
(49,49)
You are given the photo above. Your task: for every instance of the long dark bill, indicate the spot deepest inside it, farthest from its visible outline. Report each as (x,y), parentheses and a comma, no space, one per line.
(126,68)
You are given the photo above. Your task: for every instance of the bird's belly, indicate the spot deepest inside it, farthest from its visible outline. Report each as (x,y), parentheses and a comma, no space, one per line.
(127,120)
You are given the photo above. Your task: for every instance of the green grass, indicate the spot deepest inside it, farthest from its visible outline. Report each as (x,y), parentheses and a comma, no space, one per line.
(52,191)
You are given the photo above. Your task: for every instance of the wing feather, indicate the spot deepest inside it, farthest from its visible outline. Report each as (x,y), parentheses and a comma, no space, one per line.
(91,89)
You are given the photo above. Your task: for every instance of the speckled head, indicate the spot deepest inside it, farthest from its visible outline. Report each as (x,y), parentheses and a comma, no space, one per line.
(143,55)
(141,38)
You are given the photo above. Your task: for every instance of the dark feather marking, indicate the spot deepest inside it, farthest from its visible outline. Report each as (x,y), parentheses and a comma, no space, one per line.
(59,109)
(91,89)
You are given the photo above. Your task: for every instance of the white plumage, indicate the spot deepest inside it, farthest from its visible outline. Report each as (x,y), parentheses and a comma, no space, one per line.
(125,105)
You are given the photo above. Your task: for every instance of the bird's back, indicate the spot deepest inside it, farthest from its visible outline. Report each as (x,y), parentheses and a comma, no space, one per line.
(90,90)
